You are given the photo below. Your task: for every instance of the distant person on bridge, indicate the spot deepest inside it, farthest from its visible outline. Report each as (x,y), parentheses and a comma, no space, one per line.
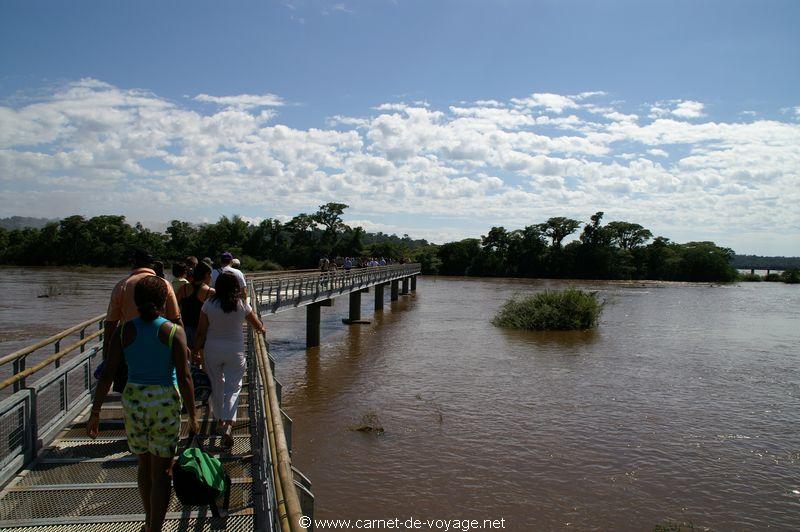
(179,271)
(219,344)
(156,354)
(191,298)
(122,307)
(226,260)
(191,263)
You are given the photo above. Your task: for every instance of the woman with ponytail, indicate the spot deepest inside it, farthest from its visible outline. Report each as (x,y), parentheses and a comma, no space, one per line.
(220,345)
(158,377)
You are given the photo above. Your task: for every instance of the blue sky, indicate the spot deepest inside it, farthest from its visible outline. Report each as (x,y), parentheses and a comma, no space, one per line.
(691,130)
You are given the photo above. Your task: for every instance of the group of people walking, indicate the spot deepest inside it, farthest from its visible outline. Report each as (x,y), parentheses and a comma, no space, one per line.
(156,335)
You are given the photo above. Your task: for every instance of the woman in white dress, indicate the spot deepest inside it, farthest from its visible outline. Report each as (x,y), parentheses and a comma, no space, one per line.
(219,344)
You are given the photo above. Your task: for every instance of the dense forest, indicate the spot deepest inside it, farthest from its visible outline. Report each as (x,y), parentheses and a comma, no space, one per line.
(615,250)
(765,263)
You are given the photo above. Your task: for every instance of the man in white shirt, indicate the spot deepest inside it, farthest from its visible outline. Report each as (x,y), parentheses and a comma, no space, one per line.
(225,260)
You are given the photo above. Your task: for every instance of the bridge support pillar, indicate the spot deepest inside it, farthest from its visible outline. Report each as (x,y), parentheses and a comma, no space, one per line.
(405,286)
(355,309)
(414,283)
(312,324)
(395,290)
(379,297)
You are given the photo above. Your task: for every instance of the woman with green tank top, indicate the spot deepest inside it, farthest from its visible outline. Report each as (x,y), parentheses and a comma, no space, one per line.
(157,357)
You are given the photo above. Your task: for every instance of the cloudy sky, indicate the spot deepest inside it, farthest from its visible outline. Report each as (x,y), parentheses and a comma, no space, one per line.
(434,118)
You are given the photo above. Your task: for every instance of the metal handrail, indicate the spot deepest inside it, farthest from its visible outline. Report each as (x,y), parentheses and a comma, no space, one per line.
(22,375)
(287,500)
(53,339)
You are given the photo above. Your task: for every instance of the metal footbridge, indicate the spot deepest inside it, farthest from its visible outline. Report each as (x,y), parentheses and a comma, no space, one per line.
(54,478)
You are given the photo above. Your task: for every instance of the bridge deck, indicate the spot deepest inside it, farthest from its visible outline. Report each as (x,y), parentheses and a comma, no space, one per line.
(80,484)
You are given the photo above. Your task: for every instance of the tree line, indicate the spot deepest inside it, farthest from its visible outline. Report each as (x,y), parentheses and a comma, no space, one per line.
(615,250)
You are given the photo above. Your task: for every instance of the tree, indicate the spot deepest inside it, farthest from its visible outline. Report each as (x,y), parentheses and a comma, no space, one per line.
(457,257)
(182,239)
(330,216)
(628,235)
(558,228)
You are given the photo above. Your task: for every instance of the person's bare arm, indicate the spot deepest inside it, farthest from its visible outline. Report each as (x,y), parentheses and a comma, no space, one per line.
(181,359)
(252,319)
(113,360)
(109,328)
(200,338)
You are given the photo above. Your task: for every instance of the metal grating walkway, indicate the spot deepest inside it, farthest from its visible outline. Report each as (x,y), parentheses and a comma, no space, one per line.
(84,485)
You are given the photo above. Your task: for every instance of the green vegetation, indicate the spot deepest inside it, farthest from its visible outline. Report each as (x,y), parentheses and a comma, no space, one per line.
(616,250)
(750,278)
(563,310)
(765,263)
(369,424)
(791,276)
(269,245)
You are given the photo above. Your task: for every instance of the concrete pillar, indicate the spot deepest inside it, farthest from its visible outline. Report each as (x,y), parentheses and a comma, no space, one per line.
(395,290)
(355,309)
(355,306)
(752,271)
(312,324)
(379,297)
(405,286)
(414,283)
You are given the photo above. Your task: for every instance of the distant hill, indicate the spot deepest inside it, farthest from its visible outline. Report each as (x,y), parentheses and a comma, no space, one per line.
(21,222)
(765,263)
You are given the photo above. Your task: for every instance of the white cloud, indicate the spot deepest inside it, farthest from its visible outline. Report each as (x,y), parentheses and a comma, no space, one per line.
(491,161)
(243,101)
(689,109)
(555,103)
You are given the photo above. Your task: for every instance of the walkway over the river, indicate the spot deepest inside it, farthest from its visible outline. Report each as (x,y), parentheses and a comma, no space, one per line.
(55,478)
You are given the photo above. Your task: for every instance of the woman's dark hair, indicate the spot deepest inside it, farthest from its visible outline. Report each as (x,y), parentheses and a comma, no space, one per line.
(200,272)
(158,267)
(150,295)
(227,287)
(178,269)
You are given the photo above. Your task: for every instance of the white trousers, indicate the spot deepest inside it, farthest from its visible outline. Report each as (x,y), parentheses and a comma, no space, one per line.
(225,370)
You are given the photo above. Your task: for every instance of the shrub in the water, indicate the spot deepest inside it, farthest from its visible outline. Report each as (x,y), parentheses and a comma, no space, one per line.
(562,310)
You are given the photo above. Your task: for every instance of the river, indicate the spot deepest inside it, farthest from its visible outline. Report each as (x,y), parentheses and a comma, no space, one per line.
(682,406)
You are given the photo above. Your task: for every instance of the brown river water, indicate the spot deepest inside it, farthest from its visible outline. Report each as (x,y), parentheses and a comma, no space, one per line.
(683,406)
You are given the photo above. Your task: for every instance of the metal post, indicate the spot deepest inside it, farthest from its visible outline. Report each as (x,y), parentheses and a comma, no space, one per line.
(19,366)
(56,349)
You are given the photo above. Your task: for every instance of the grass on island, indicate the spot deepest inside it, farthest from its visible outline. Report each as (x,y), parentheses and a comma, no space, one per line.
(562,310)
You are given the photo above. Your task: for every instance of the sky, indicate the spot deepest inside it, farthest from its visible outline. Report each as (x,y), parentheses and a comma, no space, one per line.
(433,118)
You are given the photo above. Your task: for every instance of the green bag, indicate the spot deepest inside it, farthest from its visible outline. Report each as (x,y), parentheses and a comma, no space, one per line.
(199,479)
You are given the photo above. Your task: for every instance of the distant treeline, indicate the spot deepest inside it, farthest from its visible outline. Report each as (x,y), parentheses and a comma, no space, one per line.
(616,250)
(765,263)
(271,244)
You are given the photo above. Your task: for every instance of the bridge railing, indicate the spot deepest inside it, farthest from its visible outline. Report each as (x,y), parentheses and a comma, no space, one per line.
(34,413)
(292,290)
(280,491)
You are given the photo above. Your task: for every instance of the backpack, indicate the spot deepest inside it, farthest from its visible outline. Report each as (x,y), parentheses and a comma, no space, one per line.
(199,480)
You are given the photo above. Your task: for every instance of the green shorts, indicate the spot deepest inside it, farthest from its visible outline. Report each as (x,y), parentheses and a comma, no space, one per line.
(152,418)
